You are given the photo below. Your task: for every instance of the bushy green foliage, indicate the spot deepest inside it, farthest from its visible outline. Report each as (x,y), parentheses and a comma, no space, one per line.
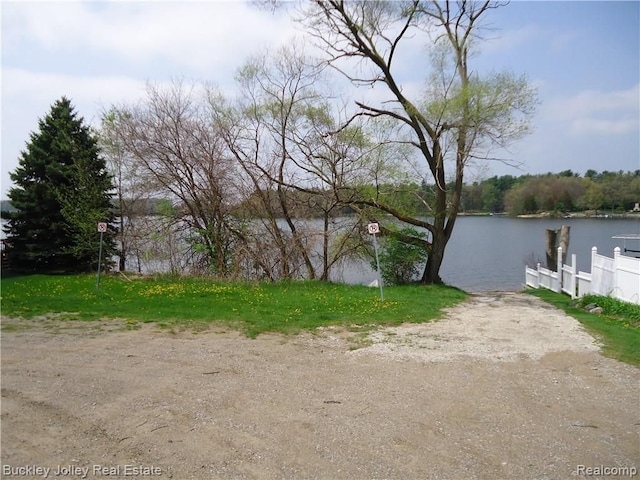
(613,307)
(565,191)
(62,191)
(400,260)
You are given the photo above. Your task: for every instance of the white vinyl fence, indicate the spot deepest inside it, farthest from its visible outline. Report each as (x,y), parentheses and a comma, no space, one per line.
(617,277)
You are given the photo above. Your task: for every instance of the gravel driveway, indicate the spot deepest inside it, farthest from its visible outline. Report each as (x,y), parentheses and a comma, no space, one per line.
(505,387)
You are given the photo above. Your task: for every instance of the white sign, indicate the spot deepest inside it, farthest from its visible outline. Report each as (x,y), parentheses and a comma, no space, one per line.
(373,228)
(102,227)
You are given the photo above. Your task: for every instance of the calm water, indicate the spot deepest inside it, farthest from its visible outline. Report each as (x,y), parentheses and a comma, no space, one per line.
(490,253)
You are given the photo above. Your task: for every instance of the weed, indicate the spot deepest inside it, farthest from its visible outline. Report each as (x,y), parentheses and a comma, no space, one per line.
(197,303)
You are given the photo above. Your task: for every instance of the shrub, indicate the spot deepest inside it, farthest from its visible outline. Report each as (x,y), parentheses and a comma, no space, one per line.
(613,307)
(400,261)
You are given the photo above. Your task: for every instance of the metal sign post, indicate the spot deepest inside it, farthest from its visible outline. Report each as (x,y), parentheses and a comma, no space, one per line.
(102,227)
(373,229)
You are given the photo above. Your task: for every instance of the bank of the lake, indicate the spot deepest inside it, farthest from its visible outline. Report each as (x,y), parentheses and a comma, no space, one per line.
(488,253)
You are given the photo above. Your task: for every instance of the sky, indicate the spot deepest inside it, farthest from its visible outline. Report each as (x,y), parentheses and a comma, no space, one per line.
(583,57)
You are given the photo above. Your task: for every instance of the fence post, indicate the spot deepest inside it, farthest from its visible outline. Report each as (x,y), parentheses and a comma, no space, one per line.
(559,270)
(574,272)
(594,252)
(616,254)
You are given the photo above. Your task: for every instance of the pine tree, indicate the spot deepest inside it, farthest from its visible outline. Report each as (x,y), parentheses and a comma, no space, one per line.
(62,191)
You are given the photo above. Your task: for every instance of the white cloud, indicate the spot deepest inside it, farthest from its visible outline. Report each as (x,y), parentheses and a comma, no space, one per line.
(35,88)
(28,96)
(588,102)
(592,126)
(100,53)
(509,40)
(206,36)
(594,112)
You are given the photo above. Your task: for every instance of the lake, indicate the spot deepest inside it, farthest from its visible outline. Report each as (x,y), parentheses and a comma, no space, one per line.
(490,253)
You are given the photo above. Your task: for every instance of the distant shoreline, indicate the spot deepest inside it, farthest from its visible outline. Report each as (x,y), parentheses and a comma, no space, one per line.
(632,215)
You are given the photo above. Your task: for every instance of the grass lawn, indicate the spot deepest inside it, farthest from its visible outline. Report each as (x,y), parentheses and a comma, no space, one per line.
(194,302)
(618,327)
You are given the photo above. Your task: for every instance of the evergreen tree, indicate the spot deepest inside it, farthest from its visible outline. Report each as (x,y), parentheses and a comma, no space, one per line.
(62,191)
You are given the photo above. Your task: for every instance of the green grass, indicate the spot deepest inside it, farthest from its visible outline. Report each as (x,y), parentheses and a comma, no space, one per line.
(193,302)
(618,327)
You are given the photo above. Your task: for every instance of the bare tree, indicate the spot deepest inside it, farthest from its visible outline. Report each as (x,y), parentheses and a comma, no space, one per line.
(130,185)
(171,139)
(457,119)
(279,133)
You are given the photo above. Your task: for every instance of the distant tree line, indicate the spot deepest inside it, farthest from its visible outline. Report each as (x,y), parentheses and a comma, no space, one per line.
(560,192)
(526,194)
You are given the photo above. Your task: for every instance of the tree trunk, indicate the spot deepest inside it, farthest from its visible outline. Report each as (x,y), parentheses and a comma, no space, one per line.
(552,246)
(122,264)
(431,272)
(325,248)
(123,258)
(551,250)
(564,241)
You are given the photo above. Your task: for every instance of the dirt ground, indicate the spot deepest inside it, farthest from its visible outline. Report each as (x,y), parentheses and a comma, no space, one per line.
(505,387)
